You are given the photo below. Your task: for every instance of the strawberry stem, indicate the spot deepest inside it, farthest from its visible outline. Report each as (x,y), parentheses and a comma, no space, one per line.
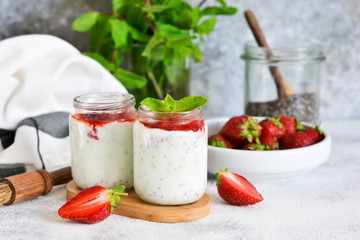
(114,196)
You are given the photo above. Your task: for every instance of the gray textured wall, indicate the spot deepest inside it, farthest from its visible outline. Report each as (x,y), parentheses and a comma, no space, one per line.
(220,77)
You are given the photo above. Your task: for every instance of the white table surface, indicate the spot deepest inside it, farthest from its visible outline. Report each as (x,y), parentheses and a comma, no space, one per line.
(323,204)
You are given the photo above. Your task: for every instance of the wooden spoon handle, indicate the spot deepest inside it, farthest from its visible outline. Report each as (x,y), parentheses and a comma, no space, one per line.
(283,88)
(256,30)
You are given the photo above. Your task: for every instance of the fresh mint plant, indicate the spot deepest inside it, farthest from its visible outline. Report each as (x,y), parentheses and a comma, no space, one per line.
(158,35)
(170,105)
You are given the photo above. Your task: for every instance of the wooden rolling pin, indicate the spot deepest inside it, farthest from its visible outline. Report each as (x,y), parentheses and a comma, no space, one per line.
(283,88)
(30,185)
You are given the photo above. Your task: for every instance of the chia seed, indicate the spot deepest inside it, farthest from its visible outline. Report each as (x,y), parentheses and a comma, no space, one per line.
(302,106)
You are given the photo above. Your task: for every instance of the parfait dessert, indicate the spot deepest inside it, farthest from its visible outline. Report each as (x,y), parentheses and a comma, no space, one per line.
(101,134)
(170,151)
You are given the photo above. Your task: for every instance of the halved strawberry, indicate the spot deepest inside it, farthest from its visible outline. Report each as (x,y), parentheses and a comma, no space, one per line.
(236,190)
(241,130)
(92,205)
(219,141)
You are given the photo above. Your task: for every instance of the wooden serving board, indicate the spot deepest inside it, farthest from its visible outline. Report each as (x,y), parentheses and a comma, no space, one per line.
(136,208)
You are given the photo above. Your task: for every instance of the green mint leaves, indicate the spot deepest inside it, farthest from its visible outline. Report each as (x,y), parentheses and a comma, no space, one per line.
(154,36)
(170,105)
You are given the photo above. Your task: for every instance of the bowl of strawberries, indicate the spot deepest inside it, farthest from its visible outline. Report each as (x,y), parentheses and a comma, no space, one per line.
(262,149)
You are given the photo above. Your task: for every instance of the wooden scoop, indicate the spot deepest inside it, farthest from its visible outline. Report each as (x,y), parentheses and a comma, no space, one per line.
(283,88)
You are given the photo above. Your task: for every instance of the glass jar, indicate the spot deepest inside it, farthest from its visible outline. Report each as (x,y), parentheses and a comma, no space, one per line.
(170,156)
(283,79)
(101,137)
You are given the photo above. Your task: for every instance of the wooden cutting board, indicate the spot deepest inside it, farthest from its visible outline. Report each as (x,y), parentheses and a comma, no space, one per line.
(136,208)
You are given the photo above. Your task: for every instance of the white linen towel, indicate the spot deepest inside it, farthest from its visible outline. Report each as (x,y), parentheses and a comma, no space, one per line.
(39,77)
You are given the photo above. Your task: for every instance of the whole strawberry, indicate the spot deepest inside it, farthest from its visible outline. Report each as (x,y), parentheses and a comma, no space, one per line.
(264,143)
(272,127)
(295,140)
(92,205)
(219,141)
(288,122)
(236,190)
(241,130)
(269,141)
(315,134)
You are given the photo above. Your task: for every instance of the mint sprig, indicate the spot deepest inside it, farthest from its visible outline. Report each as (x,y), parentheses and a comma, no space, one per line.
(185,104)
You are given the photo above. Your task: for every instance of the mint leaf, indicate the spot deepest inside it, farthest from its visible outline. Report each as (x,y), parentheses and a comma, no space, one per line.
(153,8)
(119,32)
(207,26)
(190,103)
(137,35)
(100,34)
(218,11)
(100,59)
(154,41)
(170,102)
(85,22)
(155,105)
(222,2)
(128,79)
(171,32)
(170,105)
(196,53)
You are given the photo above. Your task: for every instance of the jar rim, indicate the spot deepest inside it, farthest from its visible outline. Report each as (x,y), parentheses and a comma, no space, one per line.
(104,101)
(290,51)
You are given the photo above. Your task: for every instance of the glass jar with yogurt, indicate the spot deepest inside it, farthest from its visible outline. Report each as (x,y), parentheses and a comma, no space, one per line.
(101,137)
(170,156)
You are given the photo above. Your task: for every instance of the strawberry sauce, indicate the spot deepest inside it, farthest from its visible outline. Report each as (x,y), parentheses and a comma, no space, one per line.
(194,125)
(96,120)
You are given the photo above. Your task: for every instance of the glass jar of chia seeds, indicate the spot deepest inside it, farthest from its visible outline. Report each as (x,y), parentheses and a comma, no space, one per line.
(170,156)
(283,79)
(101,137)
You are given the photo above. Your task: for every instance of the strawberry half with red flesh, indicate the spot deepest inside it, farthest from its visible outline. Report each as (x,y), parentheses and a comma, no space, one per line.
(295,140)
(236,190)
(92,205)
(219,141)
(241,130)
(272,127)
(315,134)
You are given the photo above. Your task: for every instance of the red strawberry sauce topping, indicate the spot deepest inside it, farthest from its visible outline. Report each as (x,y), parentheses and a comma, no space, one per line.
(100,119)
(164,124)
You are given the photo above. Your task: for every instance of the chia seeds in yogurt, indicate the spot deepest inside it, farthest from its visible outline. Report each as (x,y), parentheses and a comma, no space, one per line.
(170,157)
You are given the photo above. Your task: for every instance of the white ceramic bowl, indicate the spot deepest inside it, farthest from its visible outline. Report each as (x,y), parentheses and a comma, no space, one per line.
(258,166)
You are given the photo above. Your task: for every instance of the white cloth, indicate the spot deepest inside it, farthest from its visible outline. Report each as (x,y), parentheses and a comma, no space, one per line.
(41,74)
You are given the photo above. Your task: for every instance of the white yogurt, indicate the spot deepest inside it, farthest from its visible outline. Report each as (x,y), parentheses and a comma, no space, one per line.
(101,155)
(170,167)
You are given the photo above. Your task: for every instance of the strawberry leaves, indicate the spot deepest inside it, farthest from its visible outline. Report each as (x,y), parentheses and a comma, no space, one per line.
(114,196)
